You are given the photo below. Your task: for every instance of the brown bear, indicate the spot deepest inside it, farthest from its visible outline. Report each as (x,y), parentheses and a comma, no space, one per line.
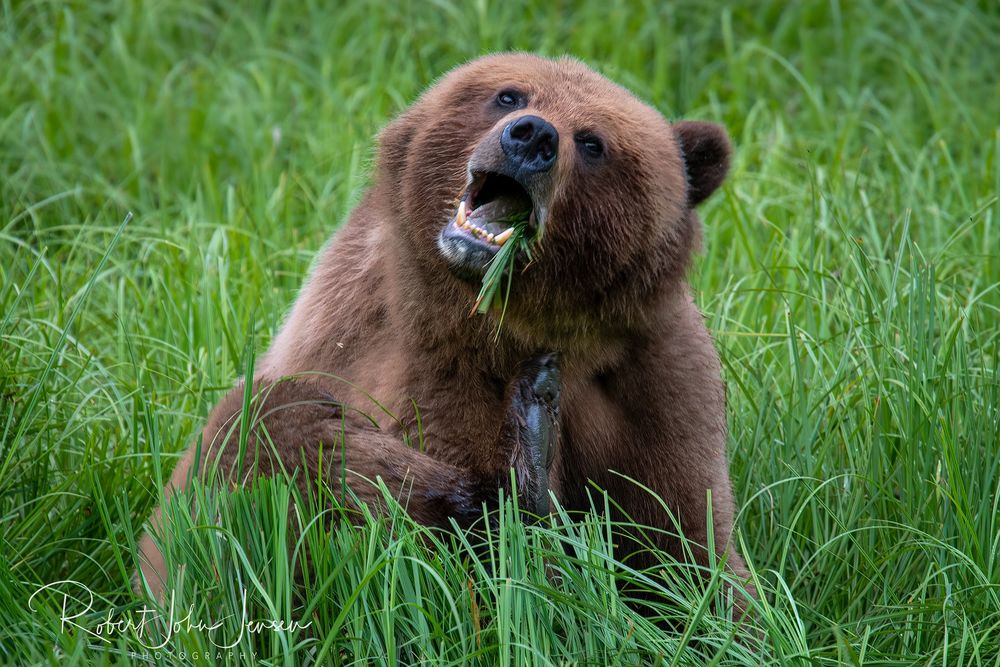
(603,370)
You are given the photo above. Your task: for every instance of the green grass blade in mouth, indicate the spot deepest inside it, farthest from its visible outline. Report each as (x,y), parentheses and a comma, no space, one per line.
(500,264)
(490,294)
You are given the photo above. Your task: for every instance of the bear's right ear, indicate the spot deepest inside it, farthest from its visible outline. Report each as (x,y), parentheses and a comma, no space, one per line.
(394,141)
(706,152)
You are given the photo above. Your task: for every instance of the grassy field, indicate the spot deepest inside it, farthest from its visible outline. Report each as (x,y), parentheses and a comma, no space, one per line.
(850,276)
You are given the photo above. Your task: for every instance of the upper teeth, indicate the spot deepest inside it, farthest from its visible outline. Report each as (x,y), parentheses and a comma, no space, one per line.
(462,220)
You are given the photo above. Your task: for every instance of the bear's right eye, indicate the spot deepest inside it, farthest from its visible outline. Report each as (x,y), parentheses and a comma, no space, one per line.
(508,99)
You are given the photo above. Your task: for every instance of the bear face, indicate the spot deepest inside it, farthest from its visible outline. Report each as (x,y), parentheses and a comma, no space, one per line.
(608,183)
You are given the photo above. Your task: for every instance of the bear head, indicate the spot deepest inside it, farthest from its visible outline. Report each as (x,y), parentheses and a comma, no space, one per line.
(607,184)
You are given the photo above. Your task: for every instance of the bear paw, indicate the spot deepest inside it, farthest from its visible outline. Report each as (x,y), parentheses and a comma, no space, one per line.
(534,411)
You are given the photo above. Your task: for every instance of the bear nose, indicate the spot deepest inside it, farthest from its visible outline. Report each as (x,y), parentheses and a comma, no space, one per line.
(531,143)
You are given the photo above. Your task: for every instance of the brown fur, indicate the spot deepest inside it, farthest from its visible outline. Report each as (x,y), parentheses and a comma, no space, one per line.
(642,394)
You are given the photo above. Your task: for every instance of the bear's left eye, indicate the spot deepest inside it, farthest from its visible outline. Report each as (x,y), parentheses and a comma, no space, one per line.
(509,99)
(591,145)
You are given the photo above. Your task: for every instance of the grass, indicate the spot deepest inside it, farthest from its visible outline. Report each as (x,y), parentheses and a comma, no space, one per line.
(850,276)
(495,290)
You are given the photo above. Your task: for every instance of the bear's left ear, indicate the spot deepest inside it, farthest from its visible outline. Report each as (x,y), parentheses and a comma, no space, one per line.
(706,152)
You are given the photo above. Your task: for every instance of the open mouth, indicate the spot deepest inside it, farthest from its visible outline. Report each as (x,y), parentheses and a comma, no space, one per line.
(488,211)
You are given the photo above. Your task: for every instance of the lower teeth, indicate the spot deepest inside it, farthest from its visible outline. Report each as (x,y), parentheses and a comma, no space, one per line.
(496,239)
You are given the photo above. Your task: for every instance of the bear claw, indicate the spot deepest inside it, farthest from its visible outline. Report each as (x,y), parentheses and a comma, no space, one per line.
(536,413)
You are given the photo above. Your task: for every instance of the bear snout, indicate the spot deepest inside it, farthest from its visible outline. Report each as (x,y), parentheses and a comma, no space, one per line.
(531,144)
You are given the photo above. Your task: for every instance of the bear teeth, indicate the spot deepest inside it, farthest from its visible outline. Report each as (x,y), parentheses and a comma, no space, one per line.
(497,240)
(462,220)
(502,237)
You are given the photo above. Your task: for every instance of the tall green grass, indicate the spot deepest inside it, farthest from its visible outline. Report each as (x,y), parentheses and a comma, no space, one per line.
(850,276)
